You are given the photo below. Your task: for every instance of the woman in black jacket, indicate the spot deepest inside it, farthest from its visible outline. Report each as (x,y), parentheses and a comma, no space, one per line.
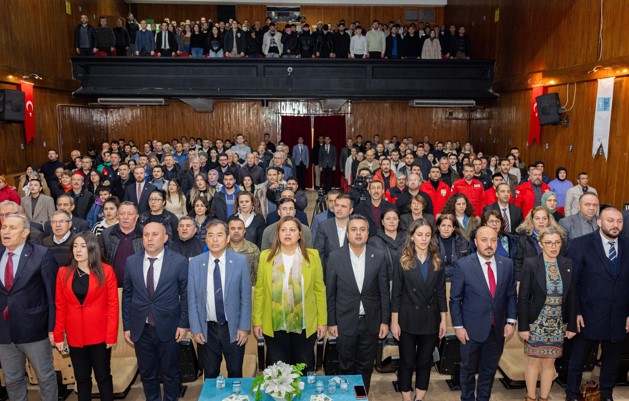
(507,243)
(197,41)
(547,311)
(452,245)
(215,43)
(418,306)
(389,238)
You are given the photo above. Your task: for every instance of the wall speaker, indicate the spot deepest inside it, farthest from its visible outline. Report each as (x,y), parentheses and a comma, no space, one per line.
(449,351)
(11,106)
(549,109)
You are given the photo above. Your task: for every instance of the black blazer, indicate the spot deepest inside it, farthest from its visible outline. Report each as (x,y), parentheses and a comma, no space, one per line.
(344,297)
(31,300)
(82,203)
(525,248)
(130,195)
(418,303)
(532,294)
(327,240)
(364,209)
(515,214)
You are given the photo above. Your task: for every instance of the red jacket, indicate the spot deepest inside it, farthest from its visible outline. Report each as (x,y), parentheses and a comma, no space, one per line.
(491,197)
(10,194)
(94,322)
(392,179)
(525,197)
(474,192)
(438,196)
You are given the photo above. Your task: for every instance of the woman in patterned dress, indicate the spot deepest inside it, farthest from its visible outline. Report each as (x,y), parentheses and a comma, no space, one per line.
(546,311)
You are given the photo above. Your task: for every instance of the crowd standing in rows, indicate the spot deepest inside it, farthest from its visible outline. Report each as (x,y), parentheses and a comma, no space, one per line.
(205,38)
(186,228)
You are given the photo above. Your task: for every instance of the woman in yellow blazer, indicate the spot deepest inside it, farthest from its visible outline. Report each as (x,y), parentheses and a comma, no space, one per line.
(289,305)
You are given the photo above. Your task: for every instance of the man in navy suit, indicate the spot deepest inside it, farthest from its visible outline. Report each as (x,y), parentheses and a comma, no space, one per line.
(601,264)
(483,306)
(140,191)
(332,233)
(220,321)
(27,301)
(155,311)
(301,157)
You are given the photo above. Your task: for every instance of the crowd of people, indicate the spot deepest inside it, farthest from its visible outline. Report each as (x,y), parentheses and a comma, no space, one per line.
(205,38)
(187,227)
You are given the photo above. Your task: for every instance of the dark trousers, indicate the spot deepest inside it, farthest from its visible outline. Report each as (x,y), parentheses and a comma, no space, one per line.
(610,359)
(152,355)
(359,55)
(105,49)
(483,356)
(375,55)
(121,51)
(301,175)
(96,357)
(415,351)
(86,52)
(216,345)
(326,178)
(166,52)
(290,348)
(357,353)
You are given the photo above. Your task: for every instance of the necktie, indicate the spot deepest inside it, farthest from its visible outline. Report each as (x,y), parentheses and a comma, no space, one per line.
(165,40)
(139,192)
(8,281)
(150,289)
(327,148)
(218,294)
(612,253)
(505,216)
(492,280)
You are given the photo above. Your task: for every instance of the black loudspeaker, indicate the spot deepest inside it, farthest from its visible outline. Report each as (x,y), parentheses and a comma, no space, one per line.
(11,106)
(188,362)
(331,358)
(449,354)
(319,353)
(549,109)
(225,12)
(389,364)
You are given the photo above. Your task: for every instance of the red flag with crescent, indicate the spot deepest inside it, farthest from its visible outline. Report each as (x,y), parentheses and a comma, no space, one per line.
(534,127)
(29,111)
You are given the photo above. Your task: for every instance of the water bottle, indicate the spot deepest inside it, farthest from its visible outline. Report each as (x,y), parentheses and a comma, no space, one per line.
(220,382)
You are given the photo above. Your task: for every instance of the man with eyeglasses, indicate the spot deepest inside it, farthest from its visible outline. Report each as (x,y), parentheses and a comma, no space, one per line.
(59,241)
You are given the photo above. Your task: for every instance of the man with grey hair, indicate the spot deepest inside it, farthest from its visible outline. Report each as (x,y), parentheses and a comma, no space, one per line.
(65,203)
(7,207)
(187,243)
(28,309)
(279,159)
(59,241)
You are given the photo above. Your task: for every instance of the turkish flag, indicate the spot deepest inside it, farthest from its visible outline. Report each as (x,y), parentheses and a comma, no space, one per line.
(29,111)
(534,127)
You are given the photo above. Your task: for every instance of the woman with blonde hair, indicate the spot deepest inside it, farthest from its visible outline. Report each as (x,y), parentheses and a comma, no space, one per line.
(290,306)
(418,306)
(175,199)
(528,244)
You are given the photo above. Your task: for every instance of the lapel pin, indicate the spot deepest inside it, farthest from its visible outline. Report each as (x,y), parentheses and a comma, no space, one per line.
(372,255)
(568,270)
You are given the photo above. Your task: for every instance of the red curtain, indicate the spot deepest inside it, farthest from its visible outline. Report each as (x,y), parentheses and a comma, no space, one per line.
(334,126)
(294,127)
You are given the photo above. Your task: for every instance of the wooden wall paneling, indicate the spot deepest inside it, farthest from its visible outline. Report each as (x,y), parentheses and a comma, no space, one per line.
(478,18)
(252,12)
(177,12)
(80,127)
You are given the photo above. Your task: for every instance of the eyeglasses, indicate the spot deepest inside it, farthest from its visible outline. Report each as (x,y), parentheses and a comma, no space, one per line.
(155,199)
(493,221)
(552,244)
(57,222)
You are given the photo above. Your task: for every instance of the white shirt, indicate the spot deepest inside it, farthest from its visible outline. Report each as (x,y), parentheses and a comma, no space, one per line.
(606,245)
(358,266)
(64,239)
(157,267)
(340,231)
(209,302)
(16,261)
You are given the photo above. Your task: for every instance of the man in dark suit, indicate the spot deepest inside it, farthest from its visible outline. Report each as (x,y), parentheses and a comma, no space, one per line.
(327,163)
(483,306)
(511,214)
(83,200)
(165,42)
(27,300)
(155,312)
(504,166)
(66,203)
(359,312)
(374,207)
(331,234)
(139,192)
(623,232)
(601,265)
(219,303)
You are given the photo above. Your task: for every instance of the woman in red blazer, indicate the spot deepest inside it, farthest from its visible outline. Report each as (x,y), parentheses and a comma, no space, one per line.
(87,313)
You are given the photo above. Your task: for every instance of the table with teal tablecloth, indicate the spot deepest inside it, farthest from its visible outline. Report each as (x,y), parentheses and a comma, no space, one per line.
(211,393)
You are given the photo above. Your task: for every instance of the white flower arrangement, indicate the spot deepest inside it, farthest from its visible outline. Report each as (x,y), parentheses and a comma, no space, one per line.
(280,381)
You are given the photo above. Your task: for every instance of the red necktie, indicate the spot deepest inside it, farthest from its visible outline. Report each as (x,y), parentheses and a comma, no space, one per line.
(8,281)
(492,279)
(139,194)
